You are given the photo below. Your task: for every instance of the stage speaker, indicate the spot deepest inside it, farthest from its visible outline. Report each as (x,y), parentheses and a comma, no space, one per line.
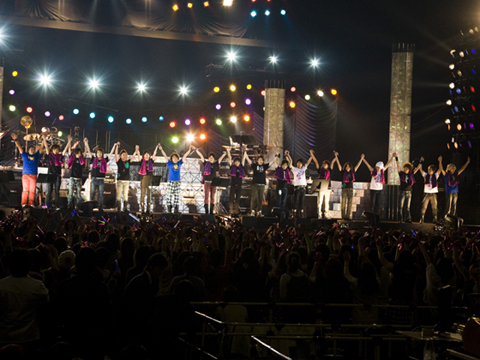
(281,214)
(311,206)
(109,196)
(372,218)
(249,222)
(86,207)
(208,217)
(11,193)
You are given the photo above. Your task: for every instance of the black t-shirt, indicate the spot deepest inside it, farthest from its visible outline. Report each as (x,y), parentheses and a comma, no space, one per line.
(123,170)
(236,180)
(403,184)
(259,173)
(52,169)
(96,172)
(346,185)
(282,184)
(213,171)
(76,169)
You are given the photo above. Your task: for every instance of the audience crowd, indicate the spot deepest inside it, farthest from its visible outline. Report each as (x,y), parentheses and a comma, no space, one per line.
(86,288)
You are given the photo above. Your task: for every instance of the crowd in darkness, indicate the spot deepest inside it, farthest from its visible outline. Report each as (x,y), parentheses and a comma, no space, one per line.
(86,288)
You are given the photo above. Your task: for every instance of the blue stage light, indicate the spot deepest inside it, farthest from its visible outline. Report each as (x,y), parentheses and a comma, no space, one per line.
(76,111)
(129,121)
(267,12)
(92,115)
(144,119)
(160,118)
(253,14)
(283,12)
(110,119)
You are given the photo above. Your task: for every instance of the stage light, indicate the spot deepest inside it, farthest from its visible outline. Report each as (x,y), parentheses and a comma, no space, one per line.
(447,121)
(76,111)
(93,83)
(29,109)
(218,106)
(248,101)
(160,118)
(293,89)
(187,122)
(227,2)
(263,92)
(458,91)
(459,73)
(203,136)
(47,113)
(12,108)
(473,51)
(283,12)
(44,79)
(61,117)
(253,14)
(307,97)
(231,56)
(175,7)
(141,87)
(472,126)
(189,5)
(451,85)
(233,88)
(12,92)
(334,92)
(183,90)
(449,102)
(246,118)
(451,66)
(455,144)
(92,115)
(249,87)
(203,121)
(292,104)
(469,144)
(232,104)
(172,124)
(218,122)
(474,108)
(15,73)
(320,93)
(459,127)
(273,59)
(267,12)
(461,53)
(233,119)
(314,63)
(190,137)
(206,4)
(144,119)
(216,89)
(129,121)
(175,139)
(60,133)
(472,89)
(448,146)
(110,119)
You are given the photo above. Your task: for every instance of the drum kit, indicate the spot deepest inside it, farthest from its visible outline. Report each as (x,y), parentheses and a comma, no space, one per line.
(51,135)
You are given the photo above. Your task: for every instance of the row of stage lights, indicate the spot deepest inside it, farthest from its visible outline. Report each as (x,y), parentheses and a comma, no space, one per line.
(229,3)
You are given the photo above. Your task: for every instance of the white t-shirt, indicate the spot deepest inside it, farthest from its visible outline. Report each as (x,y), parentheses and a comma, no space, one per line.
(299,177)
(376,182)
(428,187)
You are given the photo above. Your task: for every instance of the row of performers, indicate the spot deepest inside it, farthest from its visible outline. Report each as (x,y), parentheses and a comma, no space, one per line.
(286,172)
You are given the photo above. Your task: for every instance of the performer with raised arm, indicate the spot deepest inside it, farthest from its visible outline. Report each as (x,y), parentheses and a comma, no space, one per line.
(174,164)
(259,182)
(55,163)
(376,184)
(210,172)
(99,169)
(348,178)
(299,183)
(430,190)
(75,164)
(31,157)
(324,186)
(282,173)
(237,174)
(146,173)
(407,179)
(123,177)
(451,185)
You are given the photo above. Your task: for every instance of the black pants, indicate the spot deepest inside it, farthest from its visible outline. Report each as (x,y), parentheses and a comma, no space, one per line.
(48,195)
(375,200)
(145,187)
(234,201)
(299,198)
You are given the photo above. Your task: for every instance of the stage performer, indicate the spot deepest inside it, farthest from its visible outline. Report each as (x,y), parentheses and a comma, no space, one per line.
(123,178)
(174,164)
(376,184)
(237,174)
(299,183)
(55,164)
(451,185)
(146,173)
(348,178)
(30,157)
(430,190)
(210,172)
(75,164)
(407,179)
(99,169)
(324,190)
(259,182)
(282,173)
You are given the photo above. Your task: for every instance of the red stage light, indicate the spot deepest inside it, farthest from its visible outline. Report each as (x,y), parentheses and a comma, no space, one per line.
(29,110)
(61,118)
(474,108)
(263,92)
(203,121)
(203,136)
(472,89)
(293,89)
(173,124)
(232,104)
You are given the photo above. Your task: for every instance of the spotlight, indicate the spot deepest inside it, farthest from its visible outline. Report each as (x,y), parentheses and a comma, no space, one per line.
(459,127)
(447,121)
(129,121)
(218,122)
(92,115)
(293,89)
(283,12)
(334,92)
(76,111)
(292,104)
(45,79)
(461,53)
(190,137)
(233,88)
(13,108)
(248,101)
(451,66)
(173,124)
(449,102)
(267,12)
(141,87)
(455,144)
(206,4)
(218,106)
(263,92)
(12,92)
(15,73)
(61,117)
(249,87)
(203,121)
(160,118)
(472,89)
(216,89)
(175,139)
(29,109)
(175,7)
(187,122)
(451,85)
(472,126)
(273,59)
(253,14)
(314,63)
(60,133)
(232,104)
(320,93)
(203,136)
(110,119)
(233,119)
(307,97)
(189,5)
(183,90)
(246,118)
(232,56)
(144,119)
(227,2)
(47,113)
(93,83)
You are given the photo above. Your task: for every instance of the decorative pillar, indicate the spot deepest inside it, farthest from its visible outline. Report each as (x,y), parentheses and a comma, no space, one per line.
(400,106)
(1,93)
(274,113)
